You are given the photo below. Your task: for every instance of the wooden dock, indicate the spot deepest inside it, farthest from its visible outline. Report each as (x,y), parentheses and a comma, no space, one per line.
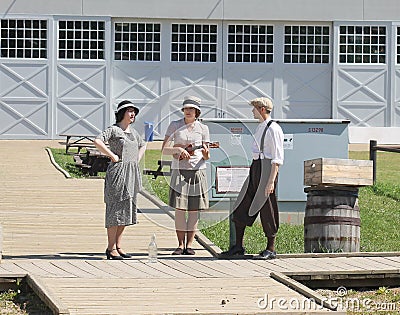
(54,236)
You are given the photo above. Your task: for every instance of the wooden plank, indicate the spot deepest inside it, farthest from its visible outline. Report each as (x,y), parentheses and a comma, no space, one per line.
(160,266)
(11,268)
(298,265)
(239,295)
(73,270)
(147,269)
(108,268)
(88,268)
(256,270)
(53,269)
(46,295)
(32,269)
(219,267)
(387,261)
(273,265)
(346,264)
(372,264)
(232,266)
(184,268)
(330,171)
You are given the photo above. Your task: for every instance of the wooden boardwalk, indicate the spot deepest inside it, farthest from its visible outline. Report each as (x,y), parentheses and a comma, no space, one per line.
(53,230)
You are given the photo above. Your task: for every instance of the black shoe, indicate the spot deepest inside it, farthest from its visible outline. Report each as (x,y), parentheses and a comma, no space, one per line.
(189,251)
(178,251)
(235,250)
(266,255)
(123,255)
(109,256)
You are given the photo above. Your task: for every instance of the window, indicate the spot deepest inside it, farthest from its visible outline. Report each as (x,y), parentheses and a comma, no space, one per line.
(306,44)
(137,41)
(250,43)
(398,46)
(23,38)
(81,39)
(194,42)
(362,44)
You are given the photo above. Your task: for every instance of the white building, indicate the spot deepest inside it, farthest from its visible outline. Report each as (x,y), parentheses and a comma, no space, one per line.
(64,65)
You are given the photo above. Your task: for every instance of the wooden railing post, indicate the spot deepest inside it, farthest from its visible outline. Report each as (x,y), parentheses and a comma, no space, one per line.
(372,157)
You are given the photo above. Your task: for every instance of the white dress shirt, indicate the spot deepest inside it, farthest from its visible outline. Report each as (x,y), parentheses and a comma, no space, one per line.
(273,142)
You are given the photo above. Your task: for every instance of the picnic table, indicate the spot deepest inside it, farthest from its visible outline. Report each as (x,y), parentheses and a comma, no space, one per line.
(78,141)
(92,162)
(159,171)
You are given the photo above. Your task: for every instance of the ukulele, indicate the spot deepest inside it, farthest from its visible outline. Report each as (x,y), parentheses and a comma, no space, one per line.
(191,148)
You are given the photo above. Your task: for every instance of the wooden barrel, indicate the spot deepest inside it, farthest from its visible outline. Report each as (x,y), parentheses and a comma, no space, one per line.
(332,220)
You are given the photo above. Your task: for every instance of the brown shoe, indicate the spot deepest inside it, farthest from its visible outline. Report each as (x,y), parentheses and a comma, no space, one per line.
(178,251)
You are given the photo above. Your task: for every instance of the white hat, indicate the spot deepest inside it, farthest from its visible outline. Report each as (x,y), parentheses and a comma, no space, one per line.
(125,104)
(191,102)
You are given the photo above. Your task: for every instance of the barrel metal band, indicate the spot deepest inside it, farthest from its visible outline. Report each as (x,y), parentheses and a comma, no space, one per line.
(332,220)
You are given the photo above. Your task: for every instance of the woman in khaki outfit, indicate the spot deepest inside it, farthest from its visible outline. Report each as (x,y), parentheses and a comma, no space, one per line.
(187,141)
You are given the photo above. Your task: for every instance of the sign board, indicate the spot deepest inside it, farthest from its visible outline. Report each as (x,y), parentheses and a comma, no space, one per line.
(230,179)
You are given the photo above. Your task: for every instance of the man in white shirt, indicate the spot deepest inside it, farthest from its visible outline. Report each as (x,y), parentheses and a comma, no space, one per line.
(258,192)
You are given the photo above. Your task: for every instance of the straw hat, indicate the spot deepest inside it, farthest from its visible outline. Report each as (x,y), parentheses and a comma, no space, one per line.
(191,102)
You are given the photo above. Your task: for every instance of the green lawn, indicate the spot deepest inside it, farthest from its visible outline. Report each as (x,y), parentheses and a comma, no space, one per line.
(379,208)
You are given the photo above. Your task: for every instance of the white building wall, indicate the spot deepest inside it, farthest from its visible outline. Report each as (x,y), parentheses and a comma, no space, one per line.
(385,127)
(272,10)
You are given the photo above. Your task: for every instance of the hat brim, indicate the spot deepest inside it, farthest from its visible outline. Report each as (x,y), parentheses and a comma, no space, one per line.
(191,106)
(128,105)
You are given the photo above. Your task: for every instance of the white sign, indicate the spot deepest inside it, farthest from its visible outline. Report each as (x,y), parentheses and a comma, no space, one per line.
(288,142)
(231,179)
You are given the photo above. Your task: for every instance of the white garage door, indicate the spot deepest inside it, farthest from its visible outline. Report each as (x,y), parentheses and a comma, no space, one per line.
(24,79)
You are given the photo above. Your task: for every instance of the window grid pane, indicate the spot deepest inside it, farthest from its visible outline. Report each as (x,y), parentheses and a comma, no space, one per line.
(81,39)
(194,42)
(306,44)
(362,44)
(23,38)
(137,41)
(398,46)
(250,43)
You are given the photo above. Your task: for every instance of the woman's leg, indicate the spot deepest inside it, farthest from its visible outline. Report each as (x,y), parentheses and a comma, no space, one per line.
(112,237)
(112,240)
(180,227)
(118,238)
(193,219)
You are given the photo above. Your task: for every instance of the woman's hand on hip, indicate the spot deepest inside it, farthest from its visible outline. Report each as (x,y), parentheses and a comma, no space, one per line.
(114,158)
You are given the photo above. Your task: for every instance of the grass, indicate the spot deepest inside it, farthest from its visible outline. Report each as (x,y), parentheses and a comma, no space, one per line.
(366,301)
(66,162)
(160,186)
(22,301)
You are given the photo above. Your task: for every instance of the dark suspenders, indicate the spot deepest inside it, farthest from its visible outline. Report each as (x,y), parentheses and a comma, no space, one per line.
(263,138)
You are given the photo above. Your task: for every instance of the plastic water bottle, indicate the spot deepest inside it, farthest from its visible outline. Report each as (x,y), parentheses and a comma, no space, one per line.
(153,250)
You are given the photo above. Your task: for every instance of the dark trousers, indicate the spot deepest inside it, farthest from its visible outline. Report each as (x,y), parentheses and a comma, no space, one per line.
(269,213)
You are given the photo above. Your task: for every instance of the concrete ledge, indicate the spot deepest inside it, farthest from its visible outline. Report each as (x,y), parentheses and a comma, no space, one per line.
(58,167)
